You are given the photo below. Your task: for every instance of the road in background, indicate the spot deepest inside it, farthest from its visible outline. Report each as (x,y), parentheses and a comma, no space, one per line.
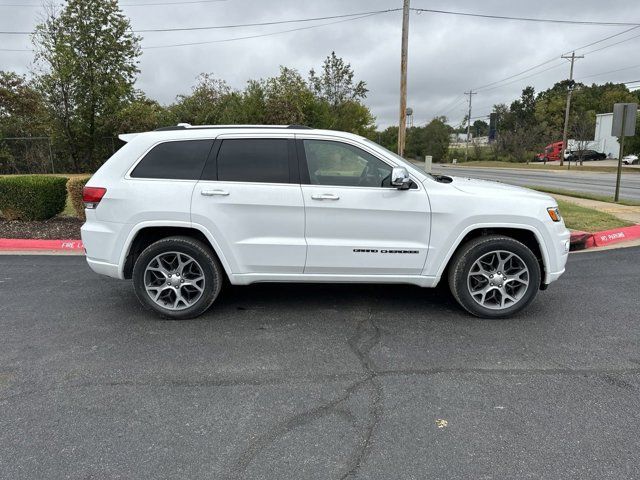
(318,381)
(588,182)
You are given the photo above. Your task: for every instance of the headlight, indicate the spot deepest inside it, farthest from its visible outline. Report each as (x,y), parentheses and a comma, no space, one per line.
(554,213)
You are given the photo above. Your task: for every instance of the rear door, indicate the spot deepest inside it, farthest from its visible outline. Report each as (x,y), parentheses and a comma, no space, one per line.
(249,198)
(356,223)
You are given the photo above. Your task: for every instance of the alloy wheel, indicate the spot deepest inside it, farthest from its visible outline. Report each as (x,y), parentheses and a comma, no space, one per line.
(174,280)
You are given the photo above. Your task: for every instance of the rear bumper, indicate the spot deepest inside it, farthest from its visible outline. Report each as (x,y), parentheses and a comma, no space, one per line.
(104,268)
(103,243)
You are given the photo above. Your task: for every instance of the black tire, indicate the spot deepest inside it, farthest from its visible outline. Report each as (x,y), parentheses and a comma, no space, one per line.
(470,252)
(206,260)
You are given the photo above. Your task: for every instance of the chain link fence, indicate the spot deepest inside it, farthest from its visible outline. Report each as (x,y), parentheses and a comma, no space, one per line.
(37,155)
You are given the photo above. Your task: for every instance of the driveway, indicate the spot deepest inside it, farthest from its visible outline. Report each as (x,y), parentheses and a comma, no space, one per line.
(313,381)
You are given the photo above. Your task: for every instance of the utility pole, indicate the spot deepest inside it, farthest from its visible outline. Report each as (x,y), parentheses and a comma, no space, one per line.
(568,109)
(466,151)
(402,126)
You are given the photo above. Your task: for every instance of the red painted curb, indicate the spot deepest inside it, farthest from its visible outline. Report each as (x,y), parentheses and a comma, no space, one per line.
(607,237)
(30,244)
(582,240)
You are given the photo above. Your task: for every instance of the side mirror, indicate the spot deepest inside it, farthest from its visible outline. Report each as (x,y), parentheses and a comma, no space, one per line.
(400,178)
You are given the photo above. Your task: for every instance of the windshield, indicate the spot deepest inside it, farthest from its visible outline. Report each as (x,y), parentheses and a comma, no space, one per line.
(395,155)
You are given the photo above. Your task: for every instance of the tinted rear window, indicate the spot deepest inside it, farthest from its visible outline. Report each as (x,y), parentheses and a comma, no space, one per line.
(254,160)
(182,160)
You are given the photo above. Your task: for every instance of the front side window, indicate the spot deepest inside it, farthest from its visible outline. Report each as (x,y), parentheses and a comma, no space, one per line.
(264,160)
(341,164)
(183,160)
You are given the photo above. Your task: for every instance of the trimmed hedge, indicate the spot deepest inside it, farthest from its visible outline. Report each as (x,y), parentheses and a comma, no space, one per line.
(74,187)
(32,197)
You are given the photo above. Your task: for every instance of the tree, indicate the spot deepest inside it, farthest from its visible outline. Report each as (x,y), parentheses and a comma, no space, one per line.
(22,111)
(206,103)
(432,139)
(141,115)
(87,60)
(388,138)
(335,84)
(22,114)
(480,128)
(582,131)
(288,99)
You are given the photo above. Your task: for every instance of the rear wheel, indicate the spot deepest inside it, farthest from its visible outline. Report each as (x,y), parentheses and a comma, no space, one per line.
(494,276)
(177,277)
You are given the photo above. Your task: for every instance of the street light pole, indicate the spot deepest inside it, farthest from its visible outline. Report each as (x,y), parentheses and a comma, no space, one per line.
(402,125)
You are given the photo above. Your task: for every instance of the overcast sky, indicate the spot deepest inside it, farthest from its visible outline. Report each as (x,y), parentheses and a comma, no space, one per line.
(448,54)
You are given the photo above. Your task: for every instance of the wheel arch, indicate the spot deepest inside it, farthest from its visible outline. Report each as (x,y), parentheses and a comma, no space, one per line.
(147,233)
(525,234)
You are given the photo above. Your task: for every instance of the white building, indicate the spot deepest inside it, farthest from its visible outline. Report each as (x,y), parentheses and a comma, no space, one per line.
(603,139)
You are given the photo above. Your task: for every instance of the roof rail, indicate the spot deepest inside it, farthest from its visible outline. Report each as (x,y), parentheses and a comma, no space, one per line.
(184,126)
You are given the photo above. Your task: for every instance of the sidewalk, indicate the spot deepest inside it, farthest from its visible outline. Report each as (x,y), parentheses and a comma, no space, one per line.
(628,213)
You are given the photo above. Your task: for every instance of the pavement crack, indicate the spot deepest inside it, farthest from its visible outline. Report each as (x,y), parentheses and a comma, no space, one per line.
(361,343)
(367,336)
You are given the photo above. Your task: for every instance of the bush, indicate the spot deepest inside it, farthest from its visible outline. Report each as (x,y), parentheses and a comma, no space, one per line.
(74,187)
(32,197)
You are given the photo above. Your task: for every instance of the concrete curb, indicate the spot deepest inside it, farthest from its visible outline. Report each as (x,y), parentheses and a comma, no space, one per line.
(584,240)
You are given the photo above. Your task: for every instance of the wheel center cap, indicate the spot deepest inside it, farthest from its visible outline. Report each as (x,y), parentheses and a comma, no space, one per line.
(174,280)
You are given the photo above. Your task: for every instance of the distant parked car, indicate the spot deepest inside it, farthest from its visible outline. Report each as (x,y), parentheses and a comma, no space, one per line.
(587,155)
(630,159)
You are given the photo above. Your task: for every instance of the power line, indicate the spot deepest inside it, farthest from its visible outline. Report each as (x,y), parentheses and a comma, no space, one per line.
(612,44)
(609,71)
(528,19)
(233,39)
(152,4)
(246,37)
(484,87)
(452,105)
(239,25)
(603,39)
(523,78)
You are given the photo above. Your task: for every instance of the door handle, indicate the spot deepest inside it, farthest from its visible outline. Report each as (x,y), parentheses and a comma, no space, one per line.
(325,196)
(214,193)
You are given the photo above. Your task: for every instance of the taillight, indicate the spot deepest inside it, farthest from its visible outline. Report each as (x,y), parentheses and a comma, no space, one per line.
(91,196)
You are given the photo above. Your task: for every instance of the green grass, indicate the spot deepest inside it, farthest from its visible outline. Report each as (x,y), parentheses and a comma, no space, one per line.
(542,166)
(588,196)
(588,219)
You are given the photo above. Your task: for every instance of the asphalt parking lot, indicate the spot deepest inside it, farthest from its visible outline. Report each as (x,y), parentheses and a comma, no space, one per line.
(323,382)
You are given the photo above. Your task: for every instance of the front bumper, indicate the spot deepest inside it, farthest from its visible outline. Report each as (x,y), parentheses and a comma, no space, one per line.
(558,254)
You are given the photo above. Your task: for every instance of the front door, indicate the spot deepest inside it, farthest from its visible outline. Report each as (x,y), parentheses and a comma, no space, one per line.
(356,223)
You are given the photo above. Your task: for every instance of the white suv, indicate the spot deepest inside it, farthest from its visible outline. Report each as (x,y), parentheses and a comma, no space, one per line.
(180,209)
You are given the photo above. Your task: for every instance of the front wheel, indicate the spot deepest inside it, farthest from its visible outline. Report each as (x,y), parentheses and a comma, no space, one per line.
(177,277)
(494,276)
